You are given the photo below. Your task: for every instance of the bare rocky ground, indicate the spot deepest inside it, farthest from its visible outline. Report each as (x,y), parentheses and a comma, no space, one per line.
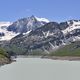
(4,61)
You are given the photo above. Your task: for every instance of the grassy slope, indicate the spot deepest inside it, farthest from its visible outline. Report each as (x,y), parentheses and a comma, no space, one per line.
(3,53)
(72,49)
(4,57)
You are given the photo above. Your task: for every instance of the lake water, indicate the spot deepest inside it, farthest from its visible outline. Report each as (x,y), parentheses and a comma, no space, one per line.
(40,69)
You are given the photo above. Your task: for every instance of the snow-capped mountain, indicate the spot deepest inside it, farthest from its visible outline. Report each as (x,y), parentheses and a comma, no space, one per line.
(4,33)
(9,30)
(72,25)
(42,30)
(27,24)
(72,30)
(38,34)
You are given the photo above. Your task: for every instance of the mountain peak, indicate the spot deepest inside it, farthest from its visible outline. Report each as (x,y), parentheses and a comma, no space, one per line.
(27,24)
(32,17)
(39,19)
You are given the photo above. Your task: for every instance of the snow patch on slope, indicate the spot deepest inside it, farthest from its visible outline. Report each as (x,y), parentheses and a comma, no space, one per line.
(7,34)
(5,24)
(48,33)
(75,25)
(27,33)
(42,19)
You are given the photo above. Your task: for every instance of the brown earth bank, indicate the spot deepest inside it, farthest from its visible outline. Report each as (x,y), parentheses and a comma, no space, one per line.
(69,58)
(4,61)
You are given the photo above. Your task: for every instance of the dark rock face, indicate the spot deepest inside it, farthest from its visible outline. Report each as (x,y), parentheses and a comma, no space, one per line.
(1,34)
(73,33)
(63,25)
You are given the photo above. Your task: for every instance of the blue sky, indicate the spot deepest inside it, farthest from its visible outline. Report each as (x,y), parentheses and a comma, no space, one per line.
(54,10)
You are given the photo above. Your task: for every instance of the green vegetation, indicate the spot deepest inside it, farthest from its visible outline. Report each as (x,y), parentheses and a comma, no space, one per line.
(3,53)
(15,50)
(4,57)
(37,52)
(72,49)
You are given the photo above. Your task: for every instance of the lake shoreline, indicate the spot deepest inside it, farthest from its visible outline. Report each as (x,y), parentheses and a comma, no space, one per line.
(69,58)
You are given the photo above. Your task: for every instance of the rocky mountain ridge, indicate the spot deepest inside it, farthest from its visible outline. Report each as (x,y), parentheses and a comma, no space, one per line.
(48,37)
(38,37)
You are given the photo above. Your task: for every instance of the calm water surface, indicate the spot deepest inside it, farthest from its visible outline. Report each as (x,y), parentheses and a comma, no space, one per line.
(40,69)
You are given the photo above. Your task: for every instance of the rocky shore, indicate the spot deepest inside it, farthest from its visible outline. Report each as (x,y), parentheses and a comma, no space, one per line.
(4,61)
